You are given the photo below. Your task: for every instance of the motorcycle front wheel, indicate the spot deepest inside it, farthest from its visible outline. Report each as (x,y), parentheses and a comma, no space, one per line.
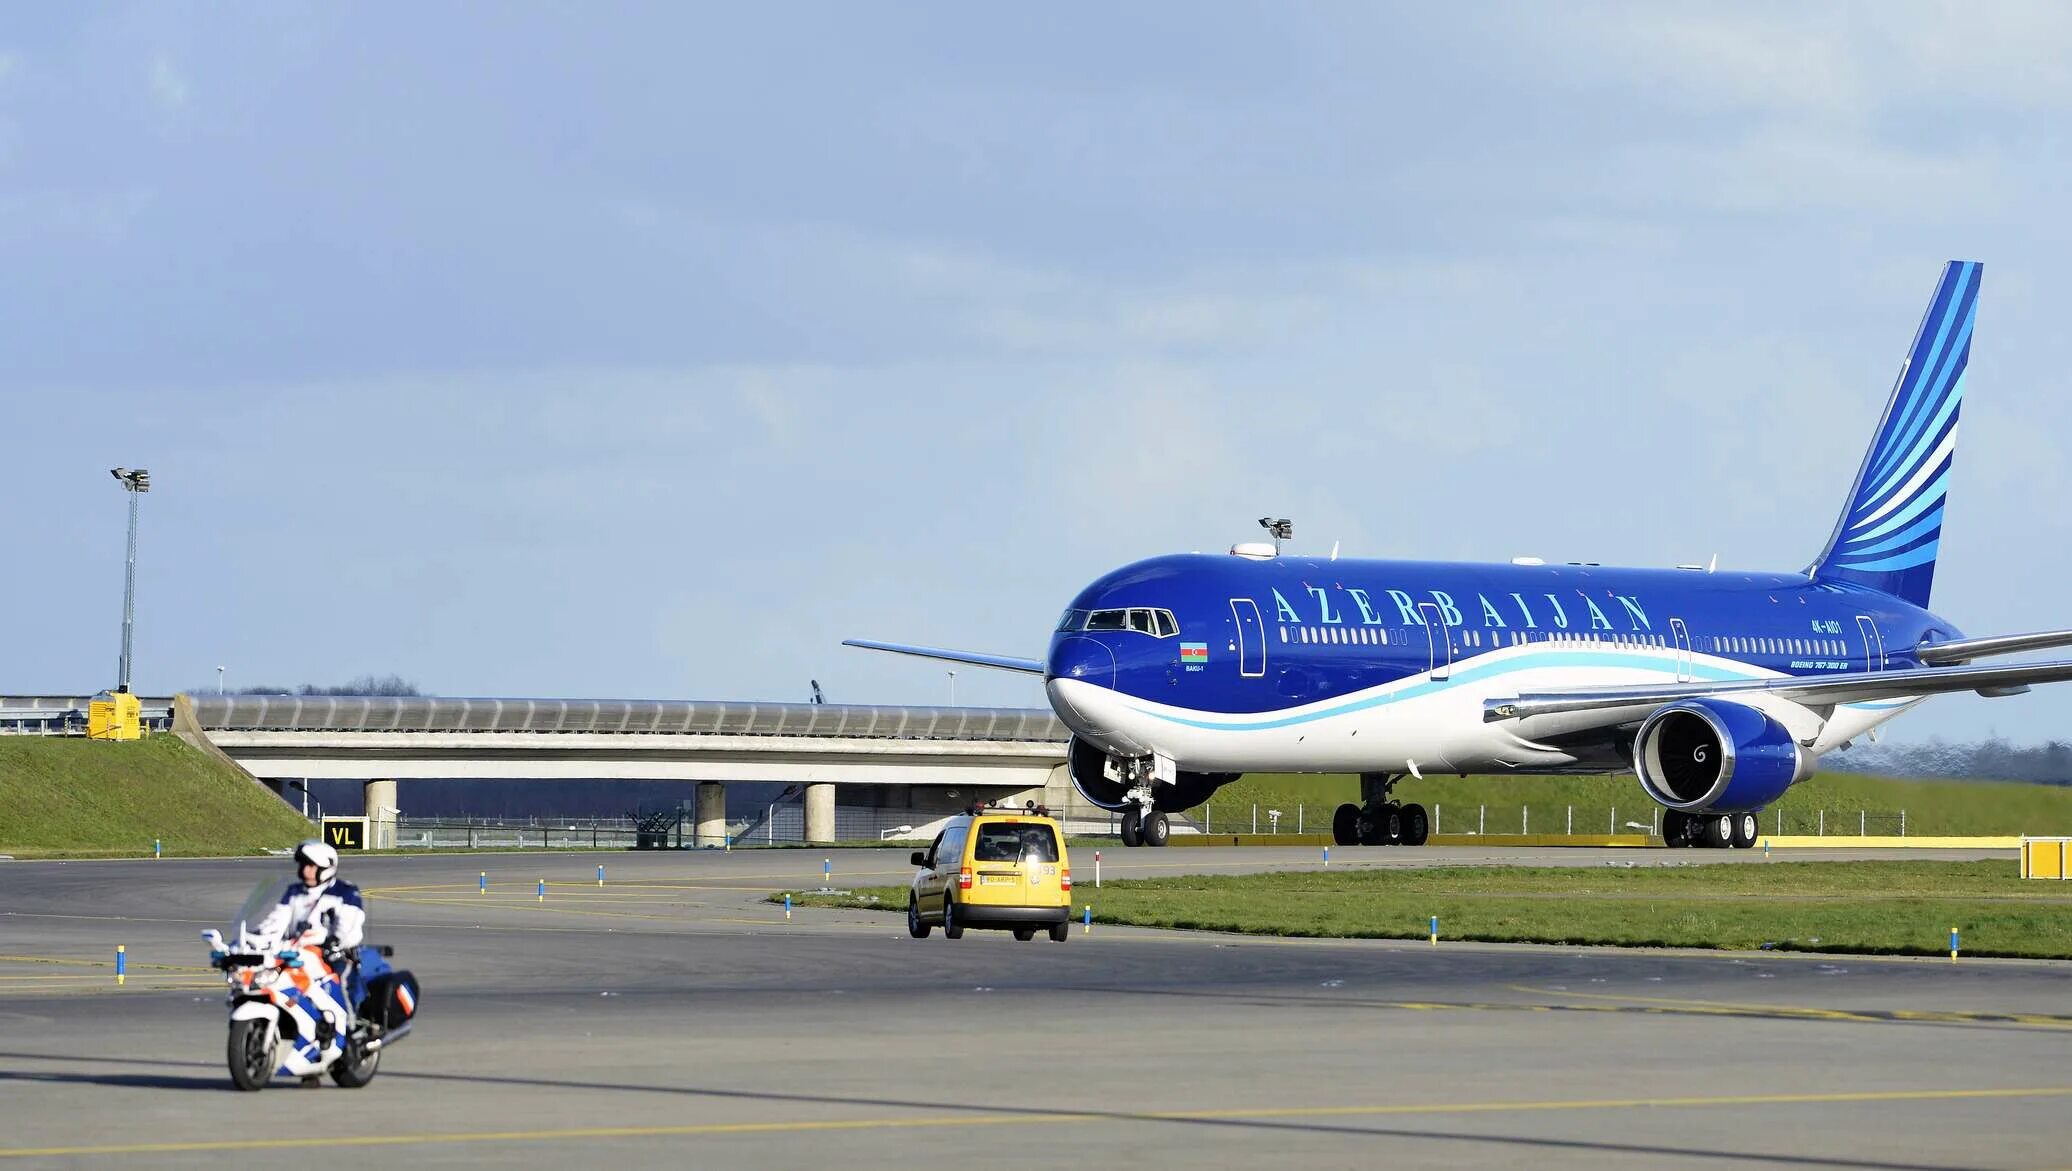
(251,1054)
(356,1066)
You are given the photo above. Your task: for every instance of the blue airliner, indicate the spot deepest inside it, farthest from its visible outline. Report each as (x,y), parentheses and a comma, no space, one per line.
(1719,690)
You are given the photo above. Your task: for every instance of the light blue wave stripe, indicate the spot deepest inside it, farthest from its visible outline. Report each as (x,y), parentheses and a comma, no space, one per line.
(1930,440)
(1907,560)
(1910,399)
(1914,533)
(1935,376)
(1931,435)
(1705,671)
(1919,373)
(1471,674)
(1931,495)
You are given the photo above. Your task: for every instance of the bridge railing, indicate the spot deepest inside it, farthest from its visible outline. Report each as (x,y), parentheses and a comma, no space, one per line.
(631,717)
(66,715)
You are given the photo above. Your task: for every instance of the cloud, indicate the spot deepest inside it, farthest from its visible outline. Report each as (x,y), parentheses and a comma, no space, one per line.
(168,87)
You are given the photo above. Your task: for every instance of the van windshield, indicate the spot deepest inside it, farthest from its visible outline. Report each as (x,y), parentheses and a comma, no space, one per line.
(1007,841)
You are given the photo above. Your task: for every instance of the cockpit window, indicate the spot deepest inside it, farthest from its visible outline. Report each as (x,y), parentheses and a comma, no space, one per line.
(1142,619)
(1073,620)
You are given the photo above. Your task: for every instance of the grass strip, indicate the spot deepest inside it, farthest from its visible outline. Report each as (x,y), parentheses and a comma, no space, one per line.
(1891,908)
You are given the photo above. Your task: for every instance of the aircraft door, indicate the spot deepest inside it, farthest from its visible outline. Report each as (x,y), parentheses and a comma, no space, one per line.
(1439,637)
(1684,673)
(1251,638)
(1873,643)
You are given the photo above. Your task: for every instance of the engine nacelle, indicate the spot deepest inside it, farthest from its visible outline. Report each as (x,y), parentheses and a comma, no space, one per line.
(1712,756)
(1088,765)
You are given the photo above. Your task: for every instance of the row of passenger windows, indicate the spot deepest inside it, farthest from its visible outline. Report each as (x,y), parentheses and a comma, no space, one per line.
(1736,645)
(1156,623)
(1381,636)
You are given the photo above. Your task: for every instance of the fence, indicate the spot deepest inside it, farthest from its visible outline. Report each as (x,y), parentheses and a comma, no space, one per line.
(1549,819)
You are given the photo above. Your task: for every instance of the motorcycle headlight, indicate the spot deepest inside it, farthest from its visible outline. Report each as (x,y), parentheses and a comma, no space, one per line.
(266,976)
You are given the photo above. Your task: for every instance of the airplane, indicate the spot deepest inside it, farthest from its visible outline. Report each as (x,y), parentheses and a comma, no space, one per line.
(1718,690)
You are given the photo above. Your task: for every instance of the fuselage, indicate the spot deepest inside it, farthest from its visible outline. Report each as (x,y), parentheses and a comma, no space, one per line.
(1290,662)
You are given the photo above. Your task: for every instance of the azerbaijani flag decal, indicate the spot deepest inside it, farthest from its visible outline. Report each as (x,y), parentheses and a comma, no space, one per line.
(1194,652)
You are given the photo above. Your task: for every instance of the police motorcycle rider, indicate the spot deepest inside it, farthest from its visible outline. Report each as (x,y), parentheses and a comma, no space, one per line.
(320,910)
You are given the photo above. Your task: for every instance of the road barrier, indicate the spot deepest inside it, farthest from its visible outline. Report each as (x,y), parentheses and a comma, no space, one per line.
(2047,858)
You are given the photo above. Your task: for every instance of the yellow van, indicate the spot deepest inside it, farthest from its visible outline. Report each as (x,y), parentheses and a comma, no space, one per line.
(993,869)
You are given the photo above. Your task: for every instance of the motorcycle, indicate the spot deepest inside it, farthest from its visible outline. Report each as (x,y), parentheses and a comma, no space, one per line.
(301,1010)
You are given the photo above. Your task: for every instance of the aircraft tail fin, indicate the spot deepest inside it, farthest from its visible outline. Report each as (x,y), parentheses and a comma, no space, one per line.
(1888,536)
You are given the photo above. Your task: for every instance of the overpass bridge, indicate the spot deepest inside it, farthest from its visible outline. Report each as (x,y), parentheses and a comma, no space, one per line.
(906,755)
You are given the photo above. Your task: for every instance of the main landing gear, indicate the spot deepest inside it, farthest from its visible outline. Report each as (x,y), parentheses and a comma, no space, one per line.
(1714,831)
(1379,820)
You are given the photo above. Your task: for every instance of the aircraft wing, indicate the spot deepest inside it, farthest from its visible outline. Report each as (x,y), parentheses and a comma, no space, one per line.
(1618,704)
(997,662)
(1964,650)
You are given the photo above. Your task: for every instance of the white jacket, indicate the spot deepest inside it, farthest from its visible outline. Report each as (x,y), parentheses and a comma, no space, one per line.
(327,913)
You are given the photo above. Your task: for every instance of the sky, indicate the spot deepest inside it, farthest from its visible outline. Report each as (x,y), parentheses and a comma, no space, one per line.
(650,351)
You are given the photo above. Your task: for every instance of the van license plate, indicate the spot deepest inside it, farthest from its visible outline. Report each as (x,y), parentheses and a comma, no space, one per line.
(998,879)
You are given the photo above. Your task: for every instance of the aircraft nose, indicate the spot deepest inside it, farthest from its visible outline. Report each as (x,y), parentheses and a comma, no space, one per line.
(1085,659)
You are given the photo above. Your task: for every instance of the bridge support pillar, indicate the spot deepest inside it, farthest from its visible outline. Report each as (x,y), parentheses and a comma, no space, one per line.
(711,813)
(820,813)
(381,815)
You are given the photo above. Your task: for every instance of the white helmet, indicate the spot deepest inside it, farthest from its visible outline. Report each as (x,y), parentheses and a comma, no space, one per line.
(319,855)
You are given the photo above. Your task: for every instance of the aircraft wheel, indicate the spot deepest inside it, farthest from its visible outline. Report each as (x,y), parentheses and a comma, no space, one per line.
(1390,825)
(1717,830)
(1369,829)
(1132,827)
(1156,829)
(1345,825)
(1675,828)
(1417,826)
(1745,829)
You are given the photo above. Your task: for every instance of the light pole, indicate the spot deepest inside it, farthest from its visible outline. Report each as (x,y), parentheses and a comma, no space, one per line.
(953,689)
(219,681)
(136,484)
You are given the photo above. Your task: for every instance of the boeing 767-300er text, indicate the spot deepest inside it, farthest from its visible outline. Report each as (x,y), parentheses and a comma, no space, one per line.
(1719,690)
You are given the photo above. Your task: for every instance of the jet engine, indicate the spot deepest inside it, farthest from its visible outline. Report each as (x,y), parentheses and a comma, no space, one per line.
(1712,756)
(1091,776)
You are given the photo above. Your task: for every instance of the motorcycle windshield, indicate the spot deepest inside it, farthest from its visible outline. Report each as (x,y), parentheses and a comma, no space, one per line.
(265,894)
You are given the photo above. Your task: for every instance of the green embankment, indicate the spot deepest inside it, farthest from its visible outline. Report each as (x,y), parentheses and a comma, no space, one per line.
(1932,807)
(88,798)
(1904,908)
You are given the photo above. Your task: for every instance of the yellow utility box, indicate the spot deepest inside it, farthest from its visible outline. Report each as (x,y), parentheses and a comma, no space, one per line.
(2047,858)
(114,715)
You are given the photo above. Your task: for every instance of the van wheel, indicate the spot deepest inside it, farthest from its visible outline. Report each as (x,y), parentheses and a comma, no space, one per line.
(1060,931)
(915,927)
(951,929)
(1024,934)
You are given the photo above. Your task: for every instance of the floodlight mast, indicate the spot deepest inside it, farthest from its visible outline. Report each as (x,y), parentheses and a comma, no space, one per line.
(136,484)
(1282,529)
